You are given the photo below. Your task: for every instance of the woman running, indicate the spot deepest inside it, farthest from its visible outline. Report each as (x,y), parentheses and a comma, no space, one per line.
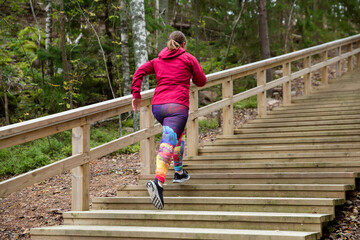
(173,69)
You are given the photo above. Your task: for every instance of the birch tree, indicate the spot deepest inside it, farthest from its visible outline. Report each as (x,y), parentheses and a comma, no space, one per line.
(125,47)
(137,10)
(48,35)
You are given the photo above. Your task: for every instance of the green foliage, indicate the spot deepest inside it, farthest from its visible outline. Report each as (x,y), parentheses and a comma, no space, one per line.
(208,124)
(29,156)
(250,102)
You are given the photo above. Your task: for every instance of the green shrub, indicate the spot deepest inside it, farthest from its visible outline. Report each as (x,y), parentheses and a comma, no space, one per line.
(250,102)
(208,124)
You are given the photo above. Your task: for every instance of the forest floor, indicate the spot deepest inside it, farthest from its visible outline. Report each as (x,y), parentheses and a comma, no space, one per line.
(43,204)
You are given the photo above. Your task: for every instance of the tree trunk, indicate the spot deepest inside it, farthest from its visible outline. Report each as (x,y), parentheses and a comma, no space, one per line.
(264,36)
(48,36)
(108,53)
(137,10)
(66,68)
(139,36)
(162,13)
(196,28)
(288,27)
(6,102)
(125,48)
(39,37)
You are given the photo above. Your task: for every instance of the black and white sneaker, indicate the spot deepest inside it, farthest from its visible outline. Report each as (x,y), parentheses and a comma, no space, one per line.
(156,193)
(179,178)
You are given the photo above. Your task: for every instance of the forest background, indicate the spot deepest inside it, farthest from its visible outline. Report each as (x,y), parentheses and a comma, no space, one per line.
(57,55)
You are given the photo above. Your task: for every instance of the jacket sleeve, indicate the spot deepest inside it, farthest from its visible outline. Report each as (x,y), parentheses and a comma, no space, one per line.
(199,78)
(144,70)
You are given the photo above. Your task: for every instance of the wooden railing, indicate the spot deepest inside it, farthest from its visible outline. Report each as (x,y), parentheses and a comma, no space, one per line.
(79,120)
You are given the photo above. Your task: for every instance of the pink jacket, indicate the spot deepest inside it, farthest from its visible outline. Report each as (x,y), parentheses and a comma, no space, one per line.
(173,71)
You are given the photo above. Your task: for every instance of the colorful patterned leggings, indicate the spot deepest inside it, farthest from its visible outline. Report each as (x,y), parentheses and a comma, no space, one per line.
(173,117)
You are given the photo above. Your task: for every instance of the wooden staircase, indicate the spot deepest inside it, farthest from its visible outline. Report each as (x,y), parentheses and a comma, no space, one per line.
(279,177)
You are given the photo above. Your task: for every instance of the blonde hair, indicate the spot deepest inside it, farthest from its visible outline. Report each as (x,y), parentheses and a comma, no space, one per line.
(176,39)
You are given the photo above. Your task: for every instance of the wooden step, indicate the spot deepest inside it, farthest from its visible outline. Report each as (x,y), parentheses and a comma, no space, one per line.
(267,178)
(200,219)
(303,123)
(283,141)
(297,128)
(321,105)
(285,114)
(326,96)
(333,134)
(71,232)
(244,190)
(280,148)
(238,204)
(273,157)
(313,111)
(344,166)
(305,119)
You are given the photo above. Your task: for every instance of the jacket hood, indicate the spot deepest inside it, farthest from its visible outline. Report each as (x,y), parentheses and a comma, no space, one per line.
(166,54)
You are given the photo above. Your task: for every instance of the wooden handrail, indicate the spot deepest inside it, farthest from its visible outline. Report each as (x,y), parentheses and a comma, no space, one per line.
(80,119)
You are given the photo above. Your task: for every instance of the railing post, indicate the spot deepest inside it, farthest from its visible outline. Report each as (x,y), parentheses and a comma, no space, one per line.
(350,58)
(324,72)
(81,175)
(287,85)
(193,126)
(228,111)
(261,97)
(339,73)
(307,77)
(147,145)
(358,55)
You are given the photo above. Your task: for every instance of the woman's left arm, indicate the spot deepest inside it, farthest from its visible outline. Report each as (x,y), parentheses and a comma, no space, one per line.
(199,78)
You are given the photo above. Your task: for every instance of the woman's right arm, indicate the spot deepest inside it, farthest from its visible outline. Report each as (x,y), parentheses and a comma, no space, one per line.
(144,70)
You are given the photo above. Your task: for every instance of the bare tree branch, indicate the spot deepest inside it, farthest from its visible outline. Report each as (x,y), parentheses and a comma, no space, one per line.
(101,48)
(288,27)
(233,32)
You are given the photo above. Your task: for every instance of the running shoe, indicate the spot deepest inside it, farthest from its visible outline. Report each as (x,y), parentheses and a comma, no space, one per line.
(156,193)
(179,178)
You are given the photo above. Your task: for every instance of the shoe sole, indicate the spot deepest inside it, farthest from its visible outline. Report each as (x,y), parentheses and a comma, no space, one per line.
(181,180)
(154,195)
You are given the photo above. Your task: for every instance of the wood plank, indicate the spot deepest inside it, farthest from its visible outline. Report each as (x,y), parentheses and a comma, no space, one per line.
(248,93)
(261,97)
(80,176)
(147,144)
(47,131)
(193,126)
(122,142)
(40,123)
(287,85)
(324,70)
(358,54)
(350,58)
(209,108)
(30,178)
(277,82)
(228,111)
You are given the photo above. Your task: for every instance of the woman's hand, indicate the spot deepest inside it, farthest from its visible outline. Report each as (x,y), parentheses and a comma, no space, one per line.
(136,104)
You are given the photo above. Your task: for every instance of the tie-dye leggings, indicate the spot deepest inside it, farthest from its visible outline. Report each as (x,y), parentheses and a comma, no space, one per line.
(173,117)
